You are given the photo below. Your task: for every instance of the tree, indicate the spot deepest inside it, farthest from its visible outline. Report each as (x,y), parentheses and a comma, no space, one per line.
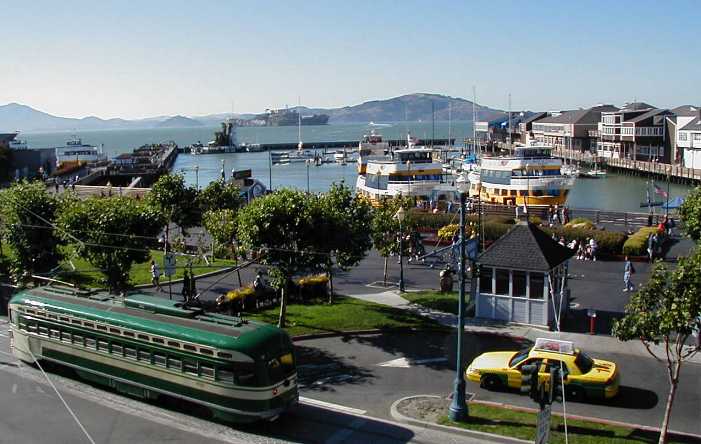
(176,201)
(221,225)
(690,213)
(219,196)
(385,227)
(114,233)
(343,228)
(665,312)
(6,162)
(28,212)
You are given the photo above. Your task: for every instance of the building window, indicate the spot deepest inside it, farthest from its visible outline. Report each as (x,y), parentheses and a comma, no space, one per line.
(519,283)
(486,280)
(697,136)
(502,282)
(536,285)
(682,137)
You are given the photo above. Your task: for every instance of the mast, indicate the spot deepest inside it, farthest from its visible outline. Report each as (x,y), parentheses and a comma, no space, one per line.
(450,123)
(299,123)
(433,123)
(509,138)
(474,121)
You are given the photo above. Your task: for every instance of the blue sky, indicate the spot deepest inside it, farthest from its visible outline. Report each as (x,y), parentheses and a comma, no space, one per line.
(117,59)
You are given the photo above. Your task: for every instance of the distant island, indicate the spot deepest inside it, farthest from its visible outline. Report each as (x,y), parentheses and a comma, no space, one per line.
(409,107)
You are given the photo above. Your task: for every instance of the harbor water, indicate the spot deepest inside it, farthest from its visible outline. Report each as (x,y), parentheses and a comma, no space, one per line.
(614,192)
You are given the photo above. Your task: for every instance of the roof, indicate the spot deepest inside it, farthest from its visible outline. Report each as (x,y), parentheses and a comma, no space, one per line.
(686,110)
(694,125)
(580,116)
(525,247)
(636,106)
(200,329)
(535,116)
(6,137)
(647,115)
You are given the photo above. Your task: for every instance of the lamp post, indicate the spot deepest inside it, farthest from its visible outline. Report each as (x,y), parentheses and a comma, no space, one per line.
(458,407)
(308,161)
(197,177)
(528,192)
(400,216)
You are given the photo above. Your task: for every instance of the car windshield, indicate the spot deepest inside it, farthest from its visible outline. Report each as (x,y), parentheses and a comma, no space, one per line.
(518,357)
(583,362)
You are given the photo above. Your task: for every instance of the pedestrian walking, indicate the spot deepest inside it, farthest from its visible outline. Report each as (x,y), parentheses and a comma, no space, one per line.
(651,247)
(56,185)
(593,246)
(155,275)
(566,215)
(186,286)
(628,271)
(558,214)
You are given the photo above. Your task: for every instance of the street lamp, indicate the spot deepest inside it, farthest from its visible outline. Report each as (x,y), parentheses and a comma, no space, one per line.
(528,192)
(400,216)
(458,407)
(197,177)
(308,161)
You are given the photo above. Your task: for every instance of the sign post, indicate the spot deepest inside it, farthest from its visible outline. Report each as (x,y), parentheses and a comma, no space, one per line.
(542,435)
(169,270)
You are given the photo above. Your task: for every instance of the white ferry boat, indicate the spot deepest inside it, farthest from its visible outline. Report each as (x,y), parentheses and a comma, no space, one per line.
(531,176)
(408,172)
(371,147)
(77,151)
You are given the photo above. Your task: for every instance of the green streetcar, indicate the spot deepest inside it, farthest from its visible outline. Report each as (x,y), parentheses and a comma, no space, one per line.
(146,346)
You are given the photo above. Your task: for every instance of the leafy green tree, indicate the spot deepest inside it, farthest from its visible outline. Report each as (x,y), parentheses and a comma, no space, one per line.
(28,212)
(384,227)
(662,315)
(690,213)
(221,225)
(219,196)
(114,233)
(6,162)
(176,201)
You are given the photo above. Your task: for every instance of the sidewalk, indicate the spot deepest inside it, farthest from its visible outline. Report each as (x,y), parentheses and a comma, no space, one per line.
(594,343)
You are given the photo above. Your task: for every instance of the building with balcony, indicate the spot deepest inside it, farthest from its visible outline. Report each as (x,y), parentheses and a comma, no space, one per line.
(570,129)
(525,126)
(689,142)
(636,132)
(681,116)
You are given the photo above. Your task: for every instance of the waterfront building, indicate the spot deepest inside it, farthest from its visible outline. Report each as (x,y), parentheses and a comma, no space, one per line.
(689,142)
(6,138)
(27,163)
(497,130)
(575,130)
(522,278)
(525,126)
(681,116)
(636,132)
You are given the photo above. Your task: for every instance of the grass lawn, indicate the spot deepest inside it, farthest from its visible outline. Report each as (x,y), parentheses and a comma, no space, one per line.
(435,300)
(86,275)
(521,425)
(345,314)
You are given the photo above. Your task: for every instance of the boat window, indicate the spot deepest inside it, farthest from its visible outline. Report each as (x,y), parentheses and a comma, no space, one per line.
(175,364)
(159,359)
(207,371)
(103,346)
(144,355)
(190,367)
(130,352)
(117,349)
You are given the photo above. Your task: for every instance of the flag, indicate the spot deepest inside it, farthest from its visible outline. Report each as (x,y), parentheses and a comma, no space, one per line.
(660,191)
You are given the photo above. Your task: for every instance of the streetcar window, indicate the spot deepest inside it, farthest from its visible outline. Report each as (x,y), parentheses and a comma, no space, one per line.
(30,311)
(65,337)
(76,321)
(189,347)
(175,363)
(158,340)
(206,351)
(117,349)
(245,374)
(207,372)
(190,367)
(102,327)
(159,359)
(78,340)
(103,346)
(32,326)
(115,331)
(89,324)
(64,319)
(224,355)
(51,316)
(43,331)
(90,343)
(128,333)
(225,375)
(174,344)
(144,355)
(130,352)
(143,337)
(54,334)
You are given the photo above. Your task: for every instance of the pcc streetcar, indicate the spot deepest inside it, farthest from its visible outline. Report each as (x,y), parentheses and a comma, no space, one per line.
(146,346)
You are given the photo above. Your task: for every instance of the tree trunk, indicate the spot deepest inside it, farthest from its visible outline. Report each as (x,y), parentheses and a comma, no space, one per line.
(384,282)
(674,380)
(331,284)
(283,306)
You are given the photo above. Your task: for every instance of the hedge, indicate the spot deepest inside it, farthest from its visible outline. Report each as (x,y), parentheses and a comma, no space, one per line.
(609,242)
(636,245)
(581,222)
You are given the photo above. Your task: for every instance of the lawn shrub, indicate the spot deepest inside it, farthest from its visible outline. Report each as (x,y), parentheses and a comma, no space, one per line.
(636,245)
(609,242)
(581,222)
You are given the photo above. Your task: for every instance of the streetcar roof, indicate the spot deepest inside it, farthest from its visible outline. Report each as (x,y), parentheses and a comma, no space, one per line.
(140,312)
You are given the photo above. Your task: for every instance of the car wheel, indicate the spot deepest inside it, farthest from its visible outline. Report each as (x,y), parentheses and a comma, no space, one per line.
(490,382)
(574,393)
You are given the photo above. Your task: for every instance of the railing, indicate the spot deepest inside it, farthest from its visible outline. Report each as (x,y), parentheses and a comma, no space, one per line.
(662,169)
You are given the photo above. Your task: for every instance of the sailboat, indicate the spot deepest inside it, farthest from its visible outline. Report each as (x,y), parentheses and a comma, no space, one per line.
(648,193)
(595,173)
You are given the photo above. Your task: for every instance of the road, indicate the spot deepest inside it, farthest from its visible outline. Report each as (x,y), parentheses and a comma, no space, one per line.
(32,412)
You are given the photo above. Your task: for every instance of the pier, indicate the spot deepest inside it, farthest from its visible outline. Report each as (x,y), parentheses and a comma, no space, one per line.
(335,145)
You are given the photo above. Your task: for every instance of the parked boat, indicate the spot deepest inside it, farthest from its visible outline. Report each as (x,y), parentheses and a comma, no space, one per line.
(77,151)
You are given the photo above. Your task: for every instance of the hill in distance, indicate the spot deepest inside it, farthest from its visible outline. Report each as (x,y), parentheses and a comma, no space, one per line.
(410,107)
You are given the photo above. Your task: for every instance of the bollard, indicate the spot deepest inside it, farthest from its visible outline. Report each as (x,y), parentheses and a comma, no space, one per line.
(592,321)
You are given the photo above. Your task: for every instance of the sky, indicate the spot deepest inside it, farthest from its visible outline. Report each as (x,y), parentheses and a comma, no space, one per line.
(144,59)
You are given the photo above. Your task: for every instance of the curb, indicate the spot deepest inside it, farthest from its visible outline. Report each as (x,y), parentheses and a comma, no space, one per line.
(199,276)
(449,429)
(394,330)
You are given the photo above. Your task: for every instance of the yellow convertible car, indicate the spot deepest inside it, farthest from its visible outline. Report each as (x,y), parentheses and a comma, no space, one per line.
(585,377)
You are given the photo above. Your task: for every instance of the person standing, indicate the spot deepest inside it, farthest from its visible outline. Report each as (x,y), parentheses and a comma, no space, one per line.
(628,271)
(593,246)
(155,275)
(651,247)
(186,286)
(566,215)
